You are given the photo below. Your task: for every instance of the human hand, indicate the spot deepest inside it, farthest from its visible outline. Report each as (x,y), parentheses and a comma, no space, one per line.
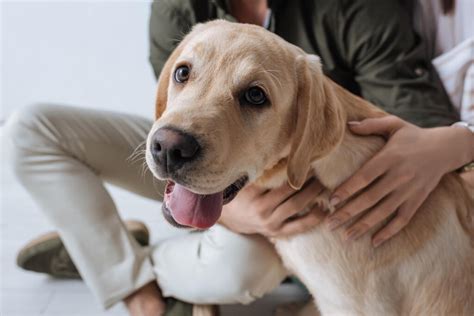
(146,301)
(400,177)
(270,212)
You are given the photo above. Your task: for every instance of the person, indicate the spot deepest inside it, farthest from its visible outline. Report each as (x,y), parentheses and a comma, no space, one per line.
(62,155)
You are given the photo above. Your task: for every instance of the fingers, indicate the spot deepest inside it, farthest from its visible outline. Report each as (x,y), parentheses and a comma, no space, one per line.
(301,224)
(364,200)
(275,197)
(370,171)
(296,203)
(277,205)
(281,193)
(381,212)
(403,217)
(252,191)
(383,126)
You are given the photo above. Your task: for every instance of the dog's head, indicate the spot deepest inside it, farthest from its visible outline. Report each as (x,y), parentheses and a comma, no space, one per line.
(236,103)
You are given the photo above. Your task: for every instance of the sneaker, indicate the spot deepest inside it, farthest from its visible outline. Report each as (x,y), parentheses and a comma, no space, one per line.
(47,254)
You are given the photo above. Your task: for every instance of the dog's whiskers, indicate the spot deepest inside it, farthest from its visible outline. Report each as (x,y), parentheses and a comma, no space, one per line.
(158,190)
(137,151)
(143,172)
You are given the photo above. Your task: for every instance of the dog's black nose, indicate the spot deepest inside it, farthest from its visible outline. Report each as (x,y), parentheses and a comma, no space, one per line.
(171,148)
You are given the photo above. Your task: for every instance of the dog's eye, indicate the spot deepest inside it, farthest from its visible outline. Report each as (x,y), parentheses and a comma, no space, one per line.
(181,74)
(255,96)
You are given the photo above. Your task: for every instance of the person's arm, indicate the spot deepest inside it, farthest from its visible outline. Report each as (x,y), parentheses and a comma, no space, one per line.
(168,26)
(390,65)
(401,176)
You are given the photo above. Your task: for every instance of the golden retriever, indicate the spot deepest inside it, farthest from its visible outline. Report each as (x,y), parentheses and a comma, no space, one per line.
(237,103)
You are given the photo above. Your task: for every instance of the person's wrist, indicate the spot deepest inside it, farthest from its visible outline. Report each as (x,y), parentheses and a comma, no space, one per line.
(223,220)
(442,141)
(466,132)
(451,143)
(228,222)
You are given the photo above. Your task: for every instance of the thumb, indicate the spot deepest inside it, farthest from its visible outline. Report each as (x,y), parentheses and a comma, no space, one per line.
(383,126)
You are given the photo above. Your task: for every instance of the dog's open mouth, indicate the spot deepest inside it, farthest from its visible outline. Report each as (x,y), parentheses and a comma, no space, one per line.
(184,208)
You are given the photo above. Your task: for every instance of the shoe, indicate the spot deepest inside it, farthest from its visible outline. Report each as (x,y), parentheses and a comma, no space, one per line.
(47,254)
(175,307)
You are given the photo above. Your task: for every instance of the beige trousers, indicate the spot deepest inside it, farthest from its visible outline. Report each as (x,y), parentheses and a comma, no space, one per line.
(62,155)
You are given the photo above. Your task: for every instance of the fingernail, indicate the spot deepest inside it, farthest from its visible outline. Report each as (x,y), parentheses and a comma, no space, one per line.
(377,241)
(333,223)
(353,123)
(334,201)
(352,234)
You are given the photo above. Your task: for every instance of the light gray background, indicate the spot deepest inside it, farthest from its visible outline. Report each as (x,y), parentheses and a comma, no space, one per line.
(88,53)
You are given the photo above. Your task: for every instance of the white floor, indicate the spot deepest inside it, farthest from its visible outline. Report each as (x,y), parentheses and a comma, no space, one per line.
(30,294)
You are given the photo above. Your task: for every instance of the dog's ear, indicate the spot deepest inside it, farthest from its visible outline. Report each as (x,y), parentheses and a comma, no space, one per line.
(164,81)
(319,119)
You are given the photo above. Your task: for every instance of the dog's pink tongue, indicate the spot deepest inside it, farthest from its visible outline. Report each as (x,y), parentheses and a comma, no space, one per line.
(195,210)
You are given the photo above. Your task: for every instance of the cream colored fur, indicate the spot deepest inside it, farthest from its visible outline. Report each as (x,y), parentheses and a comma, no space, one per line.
(427,269)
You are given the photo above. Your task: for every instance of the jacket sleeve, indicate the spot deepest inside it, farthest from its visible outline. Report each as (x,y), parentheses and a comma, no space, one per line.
(390,64)
(168,25)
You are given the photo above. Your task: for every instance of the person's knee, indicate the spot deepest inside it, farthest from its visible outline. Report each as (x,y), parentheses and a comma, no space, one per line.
(23,134)
(257,272)
(248,268)
(31,115)
(26,119)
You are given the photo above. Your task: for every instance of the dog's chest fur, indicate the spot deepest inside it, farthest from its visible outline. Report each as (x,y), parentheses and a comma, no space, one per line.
(353,278)
(407,277)
(326,255)
(330,271)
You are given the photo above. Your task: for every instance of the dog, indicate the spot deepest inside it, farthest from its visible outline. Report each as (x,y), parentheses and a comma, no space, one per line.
(238,104)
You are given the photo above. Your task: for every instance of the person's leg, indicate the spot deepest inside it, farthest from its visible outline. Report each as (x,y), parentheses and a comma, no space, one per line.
(62,155)
(47,254)
(217,266)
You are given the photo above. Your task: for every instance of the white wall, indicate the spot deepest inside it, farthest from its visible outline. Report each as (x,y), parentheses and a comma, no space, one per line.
(87,53)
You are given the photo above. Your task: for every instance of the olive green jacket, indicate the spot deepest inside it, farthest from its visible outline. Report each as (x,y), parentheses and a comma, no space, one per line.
(367,46)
